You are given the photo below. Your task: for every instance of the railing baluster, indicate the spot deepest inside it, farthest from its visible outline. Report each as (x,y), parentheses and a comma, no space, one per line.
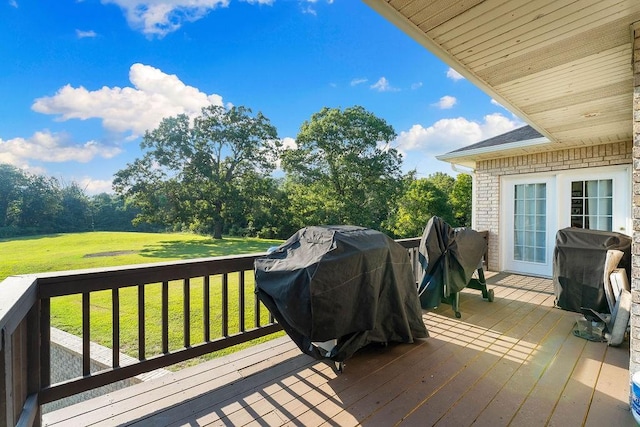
(186,309)
(256,310)
(45,342)
(115,313)
(241,327)
(142,338)
(225,305)
(165,317)
(206,309)
(86,334)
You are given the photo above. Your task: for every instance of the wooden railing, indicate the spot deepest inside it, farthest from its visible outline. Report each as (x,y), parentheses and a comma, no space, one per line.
(26,312)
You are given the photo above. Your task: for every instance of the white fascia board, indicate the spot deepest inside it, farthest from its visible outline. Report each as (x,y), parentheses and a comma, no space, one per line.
(494,148)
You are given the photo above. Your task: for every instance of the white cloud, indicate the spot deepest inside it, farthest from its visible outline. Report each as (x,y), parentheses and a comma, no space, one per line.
(161,17)
(95,186)
(454,75)
(307,6)
(48,147)
(415,86)
(13,3)
(450,134)
(289,143)
(154,95)
(358,81)
(86,34)
(382,85)
(419,145)
(446,102)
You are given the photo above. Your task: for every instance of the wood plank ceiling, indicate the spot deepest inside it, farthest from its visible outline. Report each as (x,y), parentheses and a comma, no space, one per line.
(564,66)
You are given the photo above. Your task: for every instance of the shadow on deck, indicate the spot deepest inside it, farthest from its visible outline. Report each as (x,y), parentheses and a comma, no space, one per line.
(513,361)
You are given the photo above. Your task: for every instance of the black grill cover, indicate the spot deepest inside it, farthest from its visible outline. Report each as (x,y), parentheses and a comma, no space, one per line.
(578,267)
(348,283)
(448,257)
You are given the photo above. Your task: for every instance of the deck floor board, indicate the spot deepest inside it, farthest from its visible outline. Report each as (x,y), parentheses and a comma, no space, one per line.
(511,362)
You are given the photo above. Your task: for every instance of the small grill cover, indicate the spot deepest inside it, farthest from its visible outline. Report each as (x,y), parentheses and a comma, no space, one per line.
(578,267)
(347,283)
(448,257)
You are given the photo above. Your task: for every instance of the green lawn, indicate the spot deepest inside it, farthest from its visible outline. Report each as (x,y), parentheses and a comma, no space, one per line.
(74,251)
(101,249)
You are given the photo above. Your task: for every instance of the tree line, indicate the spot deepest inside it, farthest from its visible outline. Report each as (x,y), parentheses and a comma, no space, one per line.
(213,175)
(34,204)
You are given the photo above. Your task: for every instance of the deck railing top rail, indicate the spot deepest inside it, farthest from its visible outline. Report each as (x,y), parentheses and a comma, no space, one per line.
(97,279)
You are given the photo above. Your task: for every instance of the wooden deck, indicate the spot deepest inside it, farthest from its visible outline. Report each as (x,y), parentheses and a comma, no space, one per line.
(513,362)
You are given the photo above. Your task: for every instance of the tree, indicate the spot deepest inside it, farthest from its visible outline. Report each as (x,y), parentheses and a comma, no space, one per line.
(343,170)
(38,207)
(461,199)
(12,183)
(190,173)
(437,195)
(422,200)
(443,182)
(264,209)
(75,212)
(110,212)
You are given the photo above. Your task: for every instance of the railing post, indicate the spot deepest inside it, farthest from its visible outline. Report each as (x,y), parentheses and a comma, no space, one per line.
(45,342)
(6,390)
(34,360)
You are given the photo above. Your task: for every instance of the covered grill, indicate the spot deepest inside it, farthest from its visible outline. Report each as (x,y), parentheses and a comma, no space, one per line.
(336,289)
(579,264)
(449,257)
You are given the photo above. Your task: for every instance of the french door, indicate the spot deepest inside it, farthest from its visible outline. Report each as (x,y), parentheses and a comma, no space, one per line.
(529,225)
(596,199)
(535,207)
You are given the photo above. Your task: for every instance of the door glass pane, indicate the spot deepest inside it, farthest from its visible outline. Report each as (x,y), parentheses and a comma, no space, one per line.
(606,188)
(592,204)
(604,206)
(530,223)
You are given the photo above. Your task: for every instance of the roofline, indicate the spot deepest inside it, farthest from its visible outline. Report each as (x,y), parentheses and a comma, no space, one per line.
(493,149)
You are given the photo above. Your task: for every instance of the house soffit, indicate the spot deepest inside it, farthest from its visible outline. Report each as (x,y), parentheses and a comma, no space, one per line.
(563,66)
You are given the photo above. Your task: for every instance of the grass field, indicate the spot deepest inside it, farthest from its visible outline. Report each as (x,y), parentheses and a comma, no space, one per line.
(102,249)
(59,252)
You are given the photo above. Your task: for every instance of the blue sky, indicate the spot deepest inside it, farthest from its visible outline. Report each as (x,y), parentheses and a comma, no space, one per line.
(81,80)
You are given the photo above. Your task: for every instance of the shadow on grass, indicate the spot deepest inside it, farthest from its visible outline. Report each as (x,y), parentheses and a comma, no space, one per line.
(198,248)
(31,237)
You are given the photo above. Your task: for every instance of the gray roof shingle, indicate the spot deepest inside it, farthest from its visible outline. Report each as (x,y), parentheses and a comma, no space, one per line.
(524,133)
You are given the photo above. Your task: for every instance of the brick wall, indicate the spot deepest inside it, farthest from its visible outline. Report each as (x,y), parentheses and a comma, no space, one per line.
(488,173)
(634,362)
